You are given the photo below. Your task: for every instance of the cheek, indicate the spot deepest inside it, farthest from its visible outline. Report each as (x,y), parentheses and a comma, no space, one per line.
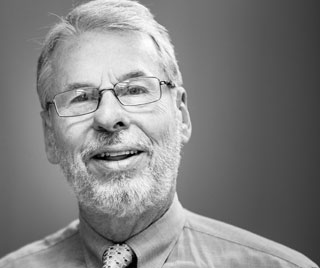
(70,135)
(159,124)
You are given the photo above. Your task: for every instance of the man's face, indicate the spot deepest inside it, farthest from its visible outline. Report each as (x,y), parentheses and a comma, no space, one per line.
(119,159)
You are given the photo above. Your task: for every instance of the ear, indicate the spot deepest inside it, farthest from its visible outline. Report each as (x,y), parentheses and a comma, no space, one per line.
(181,102)
(49,138)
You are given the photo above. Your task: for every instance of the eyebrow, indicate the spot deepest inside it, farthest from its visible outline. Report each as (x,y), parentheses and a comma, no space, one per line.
(132,74)
(77,85)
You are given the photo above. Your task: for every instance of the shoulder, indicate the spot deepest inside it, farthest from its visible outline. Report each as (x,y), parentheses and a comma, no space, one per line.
(234,241)
(42,252)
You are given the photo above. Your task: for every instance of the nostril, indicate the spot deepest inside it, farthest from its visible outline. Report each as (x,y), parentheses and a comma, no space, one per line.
(119,125)
(112,128)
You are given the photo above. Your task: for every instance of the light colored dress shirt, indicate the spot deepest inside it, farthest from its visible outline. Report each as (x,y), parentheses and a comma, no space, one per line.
(179,239)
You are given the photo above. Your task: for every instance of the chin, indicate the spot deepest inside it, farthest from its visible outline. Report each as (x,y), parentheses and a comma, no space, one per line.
(123,194)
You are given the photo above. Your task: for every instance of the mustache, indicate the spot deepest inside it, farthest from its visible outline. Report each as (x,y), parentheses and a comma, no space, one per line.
(109,138)
(106,139)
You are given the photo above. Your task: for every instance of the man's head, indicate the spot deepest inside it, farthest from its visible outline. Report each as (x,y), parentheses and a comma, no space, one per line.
(101,16)
(119,159)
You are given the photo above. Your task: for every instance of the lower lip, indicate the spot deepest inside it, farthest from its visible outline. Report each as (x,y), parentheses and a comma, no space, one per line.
(131,163)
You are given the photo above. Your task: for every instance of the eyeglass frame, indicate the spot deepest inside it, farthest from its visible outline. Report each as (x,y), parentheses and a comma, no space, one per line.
(168,83)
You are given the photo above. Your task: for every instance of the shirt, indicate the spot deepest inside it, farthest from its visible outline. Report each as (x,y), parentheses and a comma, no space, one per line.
(178,239)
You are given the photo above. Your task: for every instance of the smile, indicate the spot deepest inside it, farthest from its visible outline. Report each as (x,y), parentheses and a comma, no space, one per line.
(117,159)
(116,156)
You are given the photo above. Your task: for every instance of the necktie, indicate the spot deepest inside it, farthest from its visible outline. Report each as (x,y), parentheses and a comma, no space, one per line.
(117,256)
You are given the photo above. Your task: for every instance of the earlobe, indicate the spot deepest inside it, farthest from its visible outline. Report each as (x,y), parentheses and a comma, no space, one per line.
(181,102)
(49,138)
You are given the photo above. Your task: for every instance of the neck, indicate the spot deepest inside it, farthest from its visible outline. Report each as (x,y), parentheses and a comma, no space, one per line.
(120,229)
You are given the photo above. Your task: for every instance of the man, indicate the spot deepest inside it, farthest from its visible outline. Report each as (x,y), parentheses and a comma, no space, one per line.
(115,118)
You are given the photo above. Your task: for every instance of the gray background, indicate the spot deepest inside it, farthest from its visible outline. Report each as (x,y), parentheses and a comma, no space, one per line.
(252,72)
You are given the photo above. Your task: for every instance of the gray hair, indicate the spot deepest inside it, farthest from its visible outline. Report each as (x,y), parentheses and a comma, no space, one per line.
(105,15)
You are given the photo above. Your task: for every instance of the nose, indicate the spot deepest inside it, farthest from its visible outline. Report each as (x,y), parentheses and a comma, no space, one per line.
(110,116)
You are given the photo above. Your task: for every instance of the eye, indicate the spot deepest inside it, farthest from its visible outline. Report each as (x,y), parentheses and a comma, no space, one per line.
(136,90)
(84,96)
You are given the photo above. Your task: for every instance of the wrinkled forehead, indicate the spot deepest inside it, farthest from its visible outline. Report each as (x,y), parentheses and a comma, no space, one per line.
(105,55)
(136,42)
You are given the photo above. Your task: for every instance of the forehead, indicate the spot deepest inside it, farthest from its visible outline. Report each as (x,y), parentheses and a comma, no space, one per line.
(104,58)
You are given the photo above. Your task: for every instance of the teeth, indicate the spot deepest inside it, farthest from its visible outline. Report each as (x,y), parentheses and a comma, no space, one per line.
(112,154)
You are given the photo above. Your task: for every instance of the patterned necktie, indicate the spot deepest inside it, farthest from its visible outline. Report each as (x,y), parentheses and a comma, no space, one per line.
(117,256)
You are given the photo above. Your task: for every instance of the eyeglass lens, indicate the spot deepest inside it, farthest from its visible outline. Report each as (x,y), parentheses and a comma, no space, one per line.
(132,92)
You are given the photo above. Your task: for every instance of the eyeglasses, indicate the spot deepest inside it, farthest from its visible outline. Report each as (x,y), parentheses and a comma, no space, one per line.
(131,92)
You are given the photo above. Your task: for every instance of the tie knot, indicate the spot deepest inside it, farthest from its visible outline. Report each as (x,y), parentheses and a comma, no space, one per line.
(117,256)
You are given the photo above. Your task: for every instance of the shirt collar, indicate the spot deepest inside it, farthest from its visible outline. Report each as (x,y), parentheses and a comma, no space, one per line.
(152,246)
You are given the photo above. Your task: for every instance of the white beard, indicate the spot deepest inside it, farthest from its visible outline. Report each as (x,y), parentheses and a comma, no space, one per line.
(127,193)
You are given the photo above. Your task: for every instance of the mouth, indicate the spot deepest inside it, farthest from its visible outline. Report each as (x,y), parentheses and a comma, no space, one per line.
(117,160)
(116,156)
